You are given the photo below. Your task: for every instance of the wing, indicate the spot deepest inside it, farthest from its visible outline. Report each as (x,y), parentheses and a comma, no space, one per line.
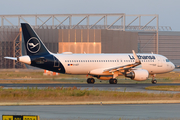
(121,69)
(124,68)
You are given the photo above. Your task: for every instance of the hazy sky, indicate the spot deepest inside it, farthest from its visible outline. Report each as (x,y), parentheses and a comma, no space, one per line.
(168,10)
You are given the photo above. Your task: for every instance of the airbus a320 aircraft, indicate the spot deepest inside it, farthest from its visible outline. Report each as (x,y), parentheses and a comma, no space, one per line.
(102,66)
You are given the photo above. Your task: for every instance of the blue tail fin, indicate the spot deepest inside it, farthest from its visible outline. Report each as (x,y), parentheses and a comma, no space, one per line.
(33,44)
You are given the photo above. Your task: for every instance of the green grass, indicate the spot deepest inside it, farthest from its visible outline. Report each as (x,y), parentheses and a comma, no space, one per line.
(164,88)
(76,94)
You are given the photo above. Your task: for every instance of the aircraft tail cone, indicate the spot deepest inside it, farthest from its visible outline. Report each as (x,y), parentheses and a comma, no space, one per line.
(25,59)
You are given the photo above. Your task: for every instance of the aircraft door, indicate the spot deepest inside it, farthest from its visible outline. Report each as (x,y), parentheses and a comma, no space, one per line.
(159,64)
(56,62)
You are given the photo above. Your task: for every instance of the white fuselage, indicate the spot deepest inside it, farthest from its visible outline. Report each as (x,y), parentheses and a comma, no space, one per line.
(84,63)
(102,66)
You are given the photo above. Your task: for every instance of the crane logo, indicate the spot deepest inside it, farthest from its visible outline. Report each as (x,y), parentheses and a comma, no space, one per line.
(33,45)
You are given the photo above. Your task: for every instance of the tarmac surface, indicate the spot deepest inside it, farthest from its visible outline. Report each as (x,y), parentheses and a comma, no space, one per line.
(97,112)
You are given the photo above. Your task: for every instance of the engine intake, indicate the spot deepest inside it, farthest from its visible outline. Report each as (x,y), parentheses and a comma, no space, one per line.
(138,75)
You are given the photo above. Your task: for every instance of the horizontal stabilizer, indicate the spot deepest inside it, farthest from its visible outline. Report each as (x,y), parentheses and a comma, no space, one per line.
(11,58)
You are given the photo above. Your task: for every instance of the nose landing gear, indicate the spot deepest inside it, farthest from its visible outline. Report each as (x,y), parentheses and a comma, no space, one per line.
(154,81)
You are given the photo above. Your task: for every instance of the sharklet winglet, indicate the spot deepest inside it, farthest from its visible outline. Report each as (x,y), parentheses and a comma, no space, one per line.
(136,58)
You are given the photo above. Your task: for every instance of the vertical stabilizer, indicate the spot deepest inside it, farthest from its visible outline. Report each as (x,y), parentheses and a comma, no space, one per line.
(33,44)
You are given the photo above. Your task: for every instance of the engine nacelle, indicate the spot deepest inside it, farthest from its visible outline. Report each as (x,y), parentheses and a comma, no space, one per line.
(138,75)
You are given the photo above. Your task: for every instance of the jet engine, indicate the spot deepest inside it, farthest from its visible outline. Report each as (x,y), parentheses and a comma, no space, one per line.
(138,75)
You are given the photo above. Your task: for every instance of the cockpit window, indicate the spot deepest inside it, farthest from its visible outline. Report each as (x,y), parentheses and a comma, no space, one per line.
(167,60)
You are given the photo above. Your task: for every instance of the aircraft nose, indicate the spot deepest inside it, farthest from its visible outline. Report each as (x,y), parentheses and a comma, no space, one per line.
(172,66)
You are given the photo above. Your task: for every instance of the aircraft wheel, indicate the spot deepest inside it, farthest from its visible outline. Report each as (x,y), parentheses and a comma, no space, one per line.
(113,81)
(110,81)
(154,81)
(90,81)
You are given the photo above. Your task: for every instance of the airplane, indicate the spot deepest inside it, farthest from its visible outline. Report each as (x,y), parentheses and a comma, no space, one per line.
(102,66)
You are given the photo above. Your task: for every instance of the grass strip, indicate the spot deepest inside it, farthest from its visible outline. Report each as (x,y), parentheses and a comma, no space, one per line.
(77,94)
(164,88)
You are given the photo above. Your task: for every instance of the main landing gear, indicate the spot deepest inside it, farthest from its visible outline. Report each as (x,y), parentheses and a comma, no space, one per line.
(113,81)
(154,81)
(90,81)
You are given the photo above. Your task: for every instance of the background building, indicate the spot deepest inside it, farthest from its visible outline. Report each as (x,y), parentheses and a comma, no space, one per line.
(89,33)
